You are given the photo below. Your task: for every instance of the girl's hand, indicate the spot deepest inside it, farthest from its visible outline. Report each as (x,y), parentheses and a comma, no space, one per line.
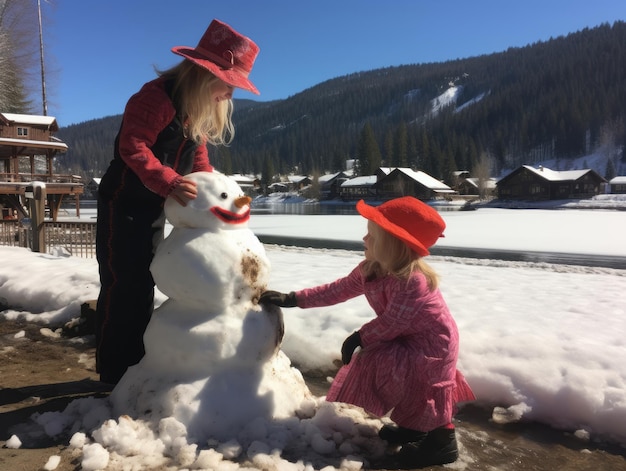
(349,346)
(184,192)
(279,299)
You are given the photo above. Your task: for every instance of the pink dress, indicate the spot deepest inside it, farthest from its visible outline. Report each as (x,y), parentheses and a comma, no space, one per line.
(407,364)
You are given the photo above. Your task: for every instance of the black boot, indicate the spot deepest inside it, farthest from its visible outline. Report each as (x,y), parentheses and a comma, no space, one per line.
(438,447)
(396,435)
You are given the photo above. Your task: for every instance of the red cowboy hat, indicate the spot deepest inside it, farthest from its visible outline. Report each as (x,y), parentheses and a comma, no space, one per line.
(224,52)
(408,219)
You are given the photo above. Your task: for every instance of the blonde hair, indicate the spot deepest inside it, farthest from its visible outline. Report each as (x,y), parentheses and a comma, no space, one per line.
(207,121)
(391,256)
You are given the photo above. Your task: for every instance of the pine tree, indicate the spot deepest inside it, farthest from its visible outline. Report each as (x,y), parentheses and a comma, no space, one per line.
(225,162)
(610,170)
(388,149)
(448,168)
(368,153)
(338,162)
(401,147)
(267,174)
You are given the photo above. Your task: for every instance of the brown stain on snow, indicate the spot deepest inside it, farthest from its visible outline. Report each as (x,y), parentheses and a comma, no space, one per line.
(250,269)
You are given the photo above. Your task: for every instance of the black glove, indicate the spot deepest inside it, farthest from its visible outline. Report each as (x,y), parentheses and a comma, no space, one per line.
(349,346)
(279,299)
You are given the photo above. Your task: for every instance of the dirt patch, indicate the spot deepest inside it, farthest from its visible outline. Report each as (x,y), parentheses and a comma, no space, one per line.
(41,371)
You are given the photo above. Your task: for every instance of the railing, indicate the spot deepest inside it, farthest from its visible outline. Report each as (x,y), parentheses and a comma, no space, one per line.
(74,238)
(13,234)
(39,177)
(60,238)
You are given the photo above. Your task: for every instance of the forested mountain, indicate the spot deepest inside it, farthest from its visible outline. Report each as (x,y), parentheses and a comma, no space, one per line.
(557,99)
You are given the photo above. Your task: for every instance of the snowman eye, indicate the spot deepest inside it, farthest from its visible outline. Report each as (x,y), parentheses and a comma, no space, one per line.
(224,195)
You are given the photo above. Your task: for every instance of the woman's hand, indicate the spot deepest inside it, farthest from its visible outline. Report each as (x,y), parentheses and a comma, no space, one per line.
(184,192)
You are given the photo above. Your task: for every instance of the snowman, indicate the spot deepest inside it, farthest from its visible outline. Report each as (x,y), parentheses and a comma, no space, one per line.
(213,358)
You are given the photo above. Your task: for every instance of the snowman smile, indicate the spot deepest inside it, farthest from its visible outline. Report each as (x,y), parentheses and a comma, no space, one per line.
(229,217)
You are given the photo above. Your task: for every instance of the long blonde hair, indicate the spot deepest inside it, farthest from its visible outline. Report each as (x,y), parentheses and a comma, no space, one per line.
(206,120)
(391,256)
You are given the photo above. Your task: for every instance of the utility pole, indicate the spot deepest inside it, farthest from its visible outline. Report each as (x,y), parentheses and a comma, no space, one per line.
(43,76)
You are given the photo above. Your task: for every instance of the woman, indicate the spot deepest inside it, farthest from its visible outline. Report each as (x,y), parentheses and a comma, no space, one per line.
(163,136)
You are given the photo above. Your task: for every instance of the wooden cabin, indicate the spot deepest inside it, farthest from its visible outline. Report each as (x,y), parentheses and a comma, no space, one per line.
(27,152)
(298,182)
(358,188)
(408,182)
(474,186)
(533,184)
(330,185)
(617,185)
(250,185)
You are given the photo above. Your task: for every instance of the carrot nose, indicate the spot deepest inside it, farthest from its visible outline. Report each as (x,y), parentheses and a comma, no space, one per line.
(242,201)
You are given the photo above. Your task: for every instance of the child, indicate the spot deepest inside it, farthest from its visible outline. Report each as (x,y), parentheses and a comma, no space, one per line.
(164,134)
(408,352)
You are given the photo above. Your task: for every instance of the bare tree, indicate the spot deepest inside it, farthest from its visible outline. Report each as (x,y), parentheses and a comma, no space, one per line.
(609,143)
(482,172)
(19,53)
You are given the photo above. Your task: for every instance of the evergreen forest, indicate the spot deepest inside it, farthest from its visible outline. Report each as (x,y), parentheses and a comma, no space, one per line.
(558,99)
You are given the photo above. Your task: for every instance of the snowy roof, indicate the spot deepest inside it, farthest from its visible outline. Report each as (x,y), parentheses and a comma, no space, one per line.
(618,180)
(424,179)
(296,178)
(360,181)
(419,176)
(34,120)
(554,175)
(242,178)
(471,181)
(489,183)
(329,176)
(57,145)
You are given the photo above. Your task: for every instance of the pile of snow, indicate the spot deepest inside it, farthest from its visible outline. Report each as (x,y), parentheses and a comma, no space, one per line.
(321,434)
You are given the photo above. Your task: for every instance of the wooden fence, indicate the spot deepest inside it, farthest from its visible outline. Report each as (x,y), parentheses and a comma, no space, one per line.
(60,238)
(13,234)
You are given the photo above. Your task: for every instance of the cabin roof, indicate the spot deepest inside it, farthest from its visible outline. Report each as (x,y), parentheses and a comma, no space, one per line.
(366,180)
(33,120)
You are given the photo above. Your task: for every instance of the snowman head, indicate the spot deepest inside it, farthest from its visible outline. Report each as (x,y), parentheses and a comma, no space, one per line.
(220,204)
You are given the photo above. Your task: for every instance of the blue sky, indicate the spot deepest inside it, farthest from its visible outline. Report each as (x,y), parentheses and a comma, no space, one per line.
(98,53)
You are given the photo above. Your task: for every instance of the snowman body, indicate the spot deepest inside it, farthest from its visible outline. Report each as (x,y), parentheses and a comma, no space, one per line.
(213,358)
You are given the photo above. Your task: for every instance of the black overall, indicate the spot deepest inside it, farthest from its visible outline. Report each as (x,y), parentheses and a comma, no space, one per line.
(130,225)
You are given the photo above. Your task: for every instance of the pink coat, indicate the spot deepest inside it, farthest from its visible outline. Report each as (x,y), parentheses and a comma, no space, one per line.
(407,364)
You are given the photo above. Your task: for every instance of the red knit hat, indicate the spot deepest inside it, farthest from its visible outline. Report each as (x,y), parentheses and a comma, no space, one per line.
(408,219)
(224,52)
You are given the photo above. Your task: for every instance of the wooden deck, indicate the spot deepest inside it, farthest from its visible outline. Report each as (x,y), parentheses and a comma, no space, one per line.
(58,188)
